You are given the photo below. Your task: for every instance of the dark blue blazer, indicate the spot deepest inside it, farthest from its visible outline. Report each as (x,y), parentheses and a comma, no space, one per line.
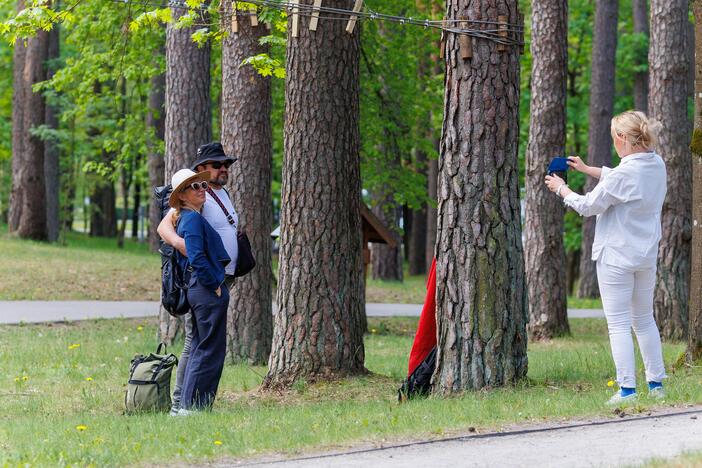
(206,253)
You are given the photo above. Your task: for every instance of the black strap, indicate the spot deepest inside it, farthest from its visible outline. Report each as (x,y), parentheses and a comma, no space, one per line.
(161,345)
(221,205)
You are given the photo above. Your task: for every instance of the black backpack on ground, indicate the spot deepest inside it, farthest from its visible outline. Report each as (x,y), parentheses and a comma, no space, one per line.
(419,382)
(174,281)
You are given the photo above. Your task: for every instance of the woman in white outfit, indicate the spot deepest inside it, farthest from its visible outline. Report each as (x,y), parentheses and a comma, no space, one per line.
(627,202)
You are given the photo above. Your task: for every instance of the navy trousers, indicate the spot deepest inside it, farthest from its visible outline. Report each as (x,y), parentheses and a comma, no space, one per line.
(207,348)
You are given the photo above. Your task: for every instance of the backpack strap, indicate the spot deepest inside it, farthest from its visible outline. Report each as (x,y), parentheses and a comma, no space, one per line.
(214,196)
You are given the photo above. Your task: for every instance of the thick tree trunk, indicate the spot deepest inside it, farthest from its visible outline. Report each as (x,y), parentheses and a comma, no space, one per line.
(51,150)
(318,331)
(481,291)
(188,114)
(668,60)
(544,250)
(155,120)
(247,134)
(386,260)
(28,196)
(641,25)
(599,151)
(694,342)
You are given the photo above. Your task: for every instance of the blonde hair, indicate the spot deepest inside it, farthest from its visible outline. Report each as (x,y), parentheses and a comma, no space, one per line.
(636,129)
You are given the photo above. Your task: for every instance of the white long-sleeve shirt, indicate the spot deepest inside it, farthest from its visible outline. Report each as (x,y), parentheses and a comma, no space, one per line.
(627,201)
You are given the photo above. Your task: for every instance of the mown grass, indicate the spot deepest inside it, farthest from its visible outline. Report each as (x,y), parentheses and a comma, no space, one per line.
(51,388)
(80,268)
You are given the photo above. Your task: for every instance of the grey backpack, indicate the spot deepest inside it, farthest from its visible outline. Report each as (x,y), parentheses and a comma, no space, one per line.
(149,385)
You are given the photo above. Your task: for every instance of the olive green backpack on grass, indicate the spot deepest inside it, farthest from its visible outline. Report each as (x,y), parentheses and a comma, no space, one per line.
(149,385)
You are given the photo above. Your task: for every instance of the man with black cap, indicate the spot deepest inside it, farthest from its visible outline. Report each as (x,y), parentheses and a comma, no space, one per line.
(219,212)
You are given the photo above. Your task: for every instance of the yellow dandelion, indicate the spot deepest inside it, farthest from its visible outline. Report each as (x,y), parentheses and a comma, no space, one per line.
(88,379)
(218,442)
(74,346)
(610,383)
(140,328)
(373,330)
(81,427)
(25,378)
(17,379)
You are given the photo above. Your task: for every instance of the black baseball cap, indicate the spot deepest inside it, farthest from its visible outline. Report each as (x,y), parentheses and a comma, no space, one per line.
(211,152)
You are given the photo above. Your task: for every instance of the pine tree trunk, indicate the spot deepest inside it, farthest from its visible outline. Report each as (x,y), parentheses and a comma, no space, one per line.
(51,150)
(544,250)
(247,134)
(155,120)
(668,61)
(28,196)
(188,115)
(694,342)
(318,331)
(641,25)
(481,291)
(599,151)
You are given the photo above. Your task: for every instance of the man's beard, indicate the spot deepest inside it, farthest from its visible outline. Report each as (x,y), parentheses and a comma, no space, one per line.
(221,179)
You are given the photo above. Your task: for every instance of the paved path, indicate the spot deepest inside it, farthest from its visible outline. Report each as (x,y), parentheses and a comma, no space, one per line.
(12,312)
(610,442)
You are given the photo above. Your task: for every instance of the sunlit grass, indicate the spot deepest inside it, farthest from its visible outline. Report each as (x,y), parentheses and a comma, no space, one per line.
(62,403)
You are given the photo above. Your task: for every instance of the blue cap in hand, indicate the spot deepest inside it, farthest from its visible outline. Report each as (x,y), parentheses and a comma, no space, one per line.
(558,165)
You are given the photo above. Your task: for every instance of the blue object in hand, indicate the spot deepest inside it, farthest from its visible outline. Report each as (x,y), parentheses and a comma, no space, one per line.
(558,165)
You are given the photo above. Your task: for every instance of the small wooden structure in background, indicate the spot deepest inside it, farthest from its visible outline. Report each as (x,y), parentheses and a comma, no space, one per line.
(373,230)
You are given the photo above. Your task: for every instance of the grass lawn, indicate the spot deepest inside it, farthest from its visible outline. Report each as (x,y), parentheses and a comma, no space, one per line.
(85,268)
(89,268)
(62,398)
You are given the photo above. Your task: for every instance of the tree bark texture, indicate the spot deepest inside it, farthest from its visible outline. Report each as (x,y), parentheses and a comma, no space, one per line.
(387,261)
(155,120)
(188,115)
(51,149)
(481,291)
(318,331)
(544,249)
(641,25)
(694,342)
(668,61)
(247,134)
(599,151)
(28,197)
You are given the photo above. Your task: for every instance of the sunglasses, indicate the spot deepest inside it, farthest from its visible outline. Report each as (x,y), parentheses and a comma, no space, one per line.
(219,164)
(198,186)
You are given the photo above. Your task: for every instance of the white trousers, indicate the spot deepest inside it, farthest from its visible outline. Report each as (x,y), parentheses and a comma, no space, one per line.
(627,299)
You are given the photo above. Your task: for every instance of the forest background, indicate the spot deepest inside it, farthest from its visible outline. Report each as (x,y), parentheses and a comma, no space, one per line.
(110,58)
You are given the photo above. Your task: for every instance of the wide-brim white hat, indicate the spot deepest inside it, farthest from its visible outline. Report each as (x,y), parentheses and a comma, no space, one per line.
(181,180)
